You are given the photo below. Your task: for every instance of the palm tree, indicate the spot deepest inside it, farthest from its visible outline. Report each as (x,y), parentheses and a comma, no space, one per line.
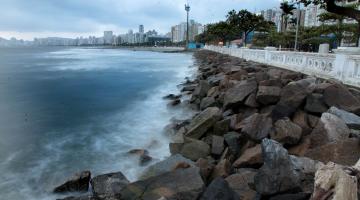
(287,9)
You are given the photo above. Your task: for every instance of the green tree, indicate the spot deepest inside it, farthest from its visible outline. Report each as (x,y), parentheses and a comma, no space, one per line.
(287,10)
(245,22)
(336,7)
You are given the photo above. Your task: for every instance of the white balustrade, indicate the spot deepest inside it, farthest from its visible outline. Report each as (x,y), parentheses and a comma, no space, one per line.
(342,66)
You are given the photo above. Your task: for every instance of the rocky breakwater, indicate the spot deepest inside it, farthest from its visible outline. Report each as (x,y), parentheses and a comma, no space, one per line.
(260,133)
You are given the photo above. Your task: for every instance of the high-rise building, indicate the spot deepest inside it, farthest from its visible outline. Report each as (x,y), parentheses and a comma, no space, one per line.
(108,37)
(141,28)
(178,32)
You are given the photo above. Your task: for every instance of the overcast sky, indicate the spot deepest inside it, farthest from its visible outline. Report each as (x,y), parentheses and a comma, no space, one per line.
(26,19)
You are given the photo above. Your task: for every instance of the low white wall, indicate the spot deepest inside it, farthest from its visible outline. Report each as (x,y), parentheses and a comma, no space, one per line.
(341,66)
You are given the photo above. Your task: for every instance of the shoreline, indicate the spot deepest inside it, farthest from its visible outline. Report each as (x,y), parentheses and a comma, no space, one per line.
(259,132)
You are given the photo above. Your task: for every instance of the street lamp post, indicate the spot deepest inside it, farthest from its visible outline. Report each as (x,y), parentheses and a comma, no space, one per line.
(298,15)
(187,8)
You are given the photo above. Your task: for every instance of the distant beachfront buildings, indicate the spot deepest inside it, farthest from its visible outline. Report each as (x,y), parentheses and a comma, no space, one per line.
(178,32)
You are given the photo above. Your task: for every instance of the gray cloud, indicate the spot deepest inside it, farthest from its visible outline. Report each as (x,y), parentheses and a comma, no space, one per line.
(91,16)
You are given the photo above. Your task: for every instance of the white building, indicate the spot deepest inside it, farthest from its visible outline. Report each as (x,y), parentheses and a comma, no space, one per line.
(108,37)
(178,32)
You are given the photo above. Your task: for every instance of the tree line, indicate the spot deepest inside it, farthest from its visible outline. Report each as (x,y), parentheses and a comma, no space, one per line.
(334,29)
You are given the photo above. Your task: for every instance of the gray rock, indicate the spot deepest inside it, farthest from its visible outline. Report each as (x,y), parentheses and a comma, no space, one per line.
(339,96)
(315,103)
(241,181)
(294,93)
(330,128)
(203,122)
(219,190)
(217,145)
(195,149)
(85,197)
(165,166)
(278,174)
(251,101)
(268,94)
(286,132)
(257,126)
(236,95)
(207,102)
(222,127)
(202,89)
(350,119)
(79,182)
(108,185)
(234,141)
(185,184)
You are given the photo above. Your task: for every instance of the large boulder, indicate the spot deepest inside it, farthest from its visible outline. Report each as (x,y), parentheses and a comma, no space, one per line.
(219,190)
(339,96)
(195,149)
(217,145)
(350,119)
(315,103)
(185,184)
(278,174)
(202,89)
(333,182)
(344,152)
(108,185)
(294,93)
(250,158)
(268,94)
(235,142)
(241,181)
(207,102)
(286,132)
(257,126)
(79,182)
(236,95)
(330,128)
(165,166)
(203,122)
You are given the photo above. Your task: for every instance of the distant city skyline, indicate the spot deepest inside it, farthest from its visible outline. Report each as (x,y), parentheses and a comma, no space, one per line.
(25,19)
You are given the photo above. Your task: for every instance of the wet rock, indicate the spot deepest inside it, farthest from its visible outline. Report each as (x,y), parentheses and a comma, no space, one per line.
(252,157)
(278,174)
(172,96)
(234,141)
(206,166)
(108,185)
(350,119)
(344,99)
(286,132)
(219,190)
(165,166)
(251,101)
(143,154)
(222,169)
(207,102)
(257,126)
(332,182)
(268,94)
(217,145)
(195,149)
(330,128)
(174,102)
(344,152)
(188,185)
(315,103)
(241,181)
(203,122)
(79,182)
(221,127)
(190,88)
(202,89)
(236,95)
